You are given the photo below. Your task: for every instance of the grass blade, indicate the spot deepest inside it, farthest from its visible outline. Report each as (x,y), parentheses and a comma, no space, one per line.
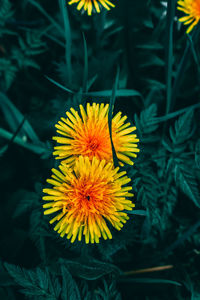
(174,114)
(60,86)
(110,113)
(151,280)
(14,136)
(169,50)
(85,72)
(51,20)
(119,93)
(105,93)
(14,118)
(136,212)
(68,39)
(34,148)
(182,66)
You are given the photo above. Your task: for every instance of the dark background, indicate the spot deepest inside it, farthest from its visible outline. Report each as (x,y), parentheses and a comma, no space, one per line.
(158,89)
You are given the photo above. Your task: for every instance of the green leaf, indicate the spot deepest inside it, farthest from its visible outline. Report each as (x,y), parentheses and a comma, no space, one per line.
(6,11)
(68,40)
(151,280)
(8,71)
(110,115)
(5,279)
(70,289)
(148,195)
(90,270)
(146,123)
(182,131)
(119,93)
(85,72)
(40,149)
(169,51)
(34,282)
(14,118)
(51,20)
(136,212)
(176,113)
(27,201)
(197,153)
(153,60)
(185,236)
(182,65)
(185,179)
(106,93)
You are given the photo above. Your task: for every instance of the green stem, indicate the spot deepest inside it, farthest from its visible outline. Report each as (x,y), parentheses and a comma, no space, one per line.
(9,136)
(169,56)
(68,39)
(182,66)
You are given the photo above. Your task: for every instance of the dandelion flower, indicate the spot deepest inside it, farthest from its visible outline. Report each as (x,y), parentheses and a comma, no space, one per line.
(192,10)
(92,5)
(87,134)
(85,197)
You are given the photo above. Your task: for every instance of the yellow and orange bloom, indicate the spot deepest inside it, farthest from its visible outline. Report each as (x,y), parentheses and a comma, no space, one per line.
(87,134)
(192,10)
(85,197)
(92,5)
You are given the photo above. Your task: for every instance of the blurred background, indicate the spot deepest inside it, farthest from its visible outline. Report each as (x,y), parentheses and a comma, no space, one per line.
(53,57)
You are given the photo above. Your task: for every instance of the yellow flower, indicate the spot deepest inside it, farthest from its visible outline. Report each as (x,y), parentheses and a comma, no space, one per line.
(192,9)
(88,5)
(85,197)
(88,135)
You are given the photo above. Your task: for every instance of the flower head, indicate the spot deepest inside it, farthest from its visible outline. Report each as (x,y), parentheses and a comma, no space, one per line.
(90,5)
(85,197)
(88,135)
(192,10)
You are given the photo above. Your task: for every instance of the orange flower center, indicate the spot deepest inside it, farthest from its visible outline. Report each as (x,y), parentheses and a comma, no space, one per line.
(89,198)
(196,8)
(95,142)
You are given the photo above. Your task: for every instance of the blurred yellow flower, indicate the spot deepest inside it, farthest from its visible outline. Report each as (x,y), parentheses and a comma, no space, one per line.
(88,135)
(192,10)
(85,197)
(90,5)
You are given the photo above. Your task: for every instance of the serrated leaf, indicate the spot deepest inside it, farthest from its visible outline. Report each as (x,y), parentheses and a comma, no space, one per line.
(146,122)
(70,289)
(183,128)
(93,270)
(197,153)
(185,179)
(6,11)
(27,201)
(34,282)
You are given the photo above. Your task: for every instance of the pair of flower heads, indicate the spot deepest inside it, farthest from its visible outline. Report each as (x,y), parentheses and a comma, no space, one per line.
(190,7)
(87,191)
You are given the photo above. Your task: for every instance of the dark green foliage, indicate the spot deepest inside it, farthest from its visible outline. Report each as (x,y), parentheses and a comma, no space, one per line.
(138,58)
(92,270)
(108,292)
(6,12)
(36,282)
(69,288)
(185,179)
